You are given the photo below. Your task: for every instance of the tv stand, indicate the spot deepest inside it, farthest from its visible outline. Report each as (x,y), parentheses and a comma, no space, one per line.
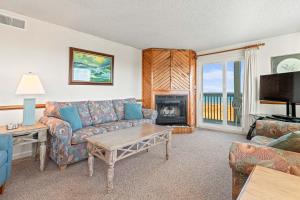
(293,109)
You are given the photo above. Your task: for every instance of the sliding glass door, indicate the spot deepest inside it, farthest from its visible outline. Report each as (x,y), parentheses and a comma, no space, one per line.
(221,93)
(212,93)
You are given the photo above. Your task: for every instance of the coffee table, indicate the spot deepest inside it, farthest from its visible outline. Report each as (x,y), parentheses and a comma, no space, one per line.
(114,146)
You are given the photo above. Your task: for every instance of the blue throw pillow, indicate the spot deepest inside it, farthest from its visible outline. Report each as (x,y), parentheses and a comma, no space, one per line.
(133,111)
(70,114)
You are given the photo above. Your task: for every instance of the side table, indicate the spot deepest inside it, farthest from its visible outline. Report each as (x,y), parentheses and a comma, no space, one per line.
(264,183)
(35,134)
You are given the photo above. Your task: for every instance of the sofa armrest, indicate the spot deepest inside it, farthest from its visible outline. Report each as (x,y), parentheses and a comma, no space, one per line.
(243,157)
(60,142)
(149,114)
(6,144)
(275,129)
(58,128)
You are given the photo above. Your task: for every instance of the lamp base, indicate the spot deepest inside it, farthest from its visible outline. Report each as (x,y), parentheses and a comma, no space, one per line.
(29,112)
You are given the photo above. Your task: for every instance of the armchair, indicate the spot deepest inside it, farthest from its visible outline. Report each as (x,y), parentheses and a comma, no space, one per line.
(6,147)
(243,157)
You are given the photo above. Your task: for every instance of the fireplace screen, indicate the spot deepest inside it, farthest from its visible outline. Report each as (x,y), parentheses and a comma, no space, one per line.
(172,109)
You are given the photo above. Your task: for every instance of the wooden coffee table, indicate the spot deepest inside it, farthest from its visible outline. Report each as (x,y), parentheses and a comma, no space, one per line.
(114,146)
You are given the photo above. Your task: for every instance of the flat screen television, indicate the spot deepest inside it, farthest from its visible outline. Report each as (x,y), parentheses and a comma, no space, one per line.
(280,87)
(283,87)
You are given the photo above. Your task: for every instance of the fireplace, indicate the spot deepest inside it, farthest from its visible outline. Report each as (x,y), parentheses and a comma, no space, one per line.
(172,109)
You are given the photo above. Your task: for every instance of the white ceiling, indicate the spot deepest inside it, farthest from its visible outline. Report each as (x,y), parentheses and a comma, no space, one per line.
(193,24)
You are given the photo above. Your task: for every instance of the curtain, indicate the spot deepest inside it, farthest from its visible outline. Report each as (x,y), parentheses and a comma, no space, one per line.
(250,89)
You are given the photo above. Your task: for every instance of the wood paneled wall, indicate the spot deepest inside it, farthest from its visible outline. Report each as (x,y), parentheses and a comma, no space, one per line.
(170,71)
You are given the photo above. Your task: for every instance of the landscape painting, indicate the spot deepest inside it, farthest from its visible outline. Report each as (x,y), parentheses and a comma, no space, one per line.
(90,68)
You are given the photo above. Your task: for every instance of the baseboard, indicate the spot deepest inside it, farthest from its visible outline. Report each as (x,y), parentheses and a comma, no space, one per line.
(226,129)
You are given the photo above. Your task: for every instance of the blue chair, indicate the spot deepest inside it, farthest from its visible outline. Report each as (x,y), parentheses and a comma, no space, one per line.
(6,149)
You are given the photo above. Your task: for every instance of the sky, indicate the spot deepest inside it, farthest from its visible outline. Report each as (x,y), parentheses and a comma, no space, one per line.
(212,77)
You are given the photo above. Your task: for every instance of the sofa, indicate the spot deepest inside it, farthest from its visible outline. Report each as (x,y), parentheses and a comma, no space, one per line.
(243,157)
(97,117)
(6,149)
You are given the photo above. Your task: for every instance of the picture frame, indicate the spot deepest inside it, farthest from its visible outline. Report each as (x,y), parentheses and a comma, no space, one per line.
(285,63)
(90,68)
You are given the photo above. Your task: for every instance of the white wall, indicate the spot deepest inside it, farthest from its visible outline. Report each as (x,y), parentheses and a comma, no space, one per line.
(276,46)
(43,48)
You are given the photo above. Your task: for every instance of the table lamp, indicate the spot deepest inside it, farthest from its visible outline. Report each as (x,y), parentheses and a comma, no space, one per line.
(30,84)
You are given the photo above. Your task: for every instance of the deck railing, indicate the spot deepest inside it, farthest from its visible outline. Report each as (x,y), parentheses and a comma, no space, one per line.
(213,108)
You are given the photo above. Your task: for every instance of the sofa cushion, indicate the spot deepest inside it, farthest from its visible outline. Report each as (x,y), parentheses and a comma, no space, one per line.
(261,140)
(113,126)
(80,135)
(133,111)
(3,158)
(70,114)
(288,142)
(52,110)
(102,111)
(119,106)
(140,122)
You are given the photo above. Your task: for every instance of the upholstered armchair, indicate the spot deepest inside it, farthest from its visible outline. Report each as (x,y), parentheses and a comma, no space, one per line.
(6,148)
(243,157)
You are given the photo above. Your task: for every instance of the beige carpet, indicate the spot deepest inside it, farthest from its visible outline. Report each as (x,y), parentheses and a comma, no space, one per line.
(197,169)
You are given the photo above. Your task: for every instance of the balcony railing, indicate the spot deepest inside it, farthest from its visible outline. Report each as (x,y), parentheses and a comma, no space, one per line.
(213,108)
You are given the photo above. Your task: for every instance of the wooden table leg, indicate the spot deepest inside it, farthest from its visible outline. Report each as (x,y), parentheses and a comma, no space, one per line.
(110,177)
(110,159)
(168,146)
(2,188)
(91,164)
(42,155)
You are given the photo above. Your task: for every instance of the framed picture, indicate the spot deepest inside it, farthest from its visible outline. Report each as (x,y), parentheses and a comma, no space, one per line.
(90,68)
(286,63)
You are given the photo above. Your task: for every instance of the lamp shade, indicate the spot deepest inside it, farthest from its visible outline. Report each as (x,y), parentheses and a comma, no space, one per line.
(30,84)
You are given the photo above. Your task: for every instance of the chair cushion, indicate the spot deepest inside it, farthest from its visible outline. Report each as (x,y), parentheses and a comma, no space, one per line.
(262,140)
(140,122)
(80,135)
(52,110)
(113,126)
(3,158)
(70,114)
(133,111)
(102,111)
(119,106)
(288,142)
(275,129)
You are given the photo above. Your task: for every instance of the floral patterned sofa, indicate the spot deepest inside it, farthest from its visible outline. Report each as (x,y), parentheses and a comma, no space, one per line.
(243,157)
(97,117)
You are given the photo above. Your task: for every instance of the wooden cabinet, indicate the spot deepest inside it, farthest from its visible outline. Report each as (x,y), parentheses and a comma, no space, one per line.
(169,71)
